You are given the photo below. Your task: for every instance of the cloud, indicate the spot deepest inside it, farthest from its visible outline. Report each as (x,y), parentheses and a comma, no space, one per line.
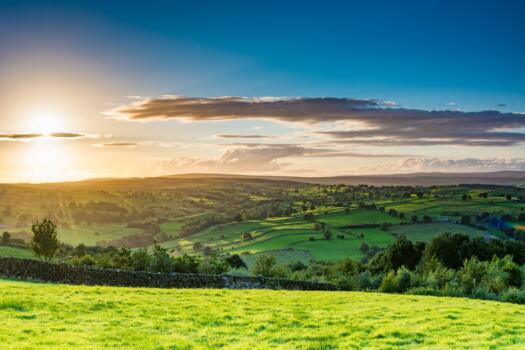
(68,135)
(253,157)
(378,123)
(415,164)
(53,135)
(238,136)
(117,144)
(20,136)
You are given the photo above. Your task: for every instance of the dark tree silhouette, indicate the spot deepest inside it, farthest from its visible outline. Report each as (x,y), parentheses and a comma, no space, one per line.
(45,241)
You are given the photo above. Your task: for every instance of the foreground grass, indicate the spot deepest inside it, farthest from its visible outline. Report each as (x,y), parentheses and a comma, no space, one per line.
(45,316)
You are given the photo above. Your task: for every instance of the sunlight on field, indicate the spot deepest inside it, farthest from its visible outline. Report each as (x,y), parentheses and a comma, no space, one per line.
(45,316)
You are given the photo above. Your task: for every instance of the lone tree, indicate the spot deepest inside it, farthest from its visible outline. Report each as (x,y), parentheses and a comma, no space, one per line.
(45,241)
(6,237)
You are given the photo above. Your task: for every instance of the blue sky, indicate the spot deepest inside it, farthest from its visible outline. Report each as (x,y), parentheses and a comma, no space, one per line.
(422,53)
(426,55)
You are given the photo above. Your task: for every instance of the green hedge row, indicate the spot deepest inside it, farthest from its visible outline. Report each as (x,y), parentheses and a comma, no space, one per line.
(68,274)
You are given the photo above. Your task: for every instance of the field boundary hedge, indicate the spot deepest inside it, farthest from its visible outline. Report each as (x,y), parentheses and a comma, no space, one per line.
(26,269)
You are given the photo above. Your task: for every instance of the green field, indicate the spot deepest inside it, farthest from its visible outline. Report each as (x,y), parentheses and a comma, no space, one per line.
(46,316)
(15,252)
(358,217)
(425,232)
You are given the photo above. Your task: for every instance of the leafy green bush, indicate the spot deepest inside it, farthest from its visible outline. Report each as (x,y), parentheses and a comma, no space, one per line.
(514,295)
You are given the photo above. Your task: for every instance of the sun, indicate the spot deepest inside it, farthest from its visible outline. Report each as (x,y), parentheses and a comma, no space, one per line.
(44,120)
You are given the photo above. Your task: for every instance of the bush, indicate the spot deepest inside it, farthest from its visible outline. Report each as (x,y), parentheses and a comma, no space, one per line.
(140,260)
(366,281)
(264,265)
(424,291)
(397,282)
(186,264)
(483,293)
(236,262)
(514,295)
(213,266)
(85,260)
(161,261)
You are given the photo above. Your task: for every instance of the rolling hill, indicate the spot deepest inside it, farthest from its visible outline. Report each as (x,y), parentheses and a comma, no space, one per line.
(46,316)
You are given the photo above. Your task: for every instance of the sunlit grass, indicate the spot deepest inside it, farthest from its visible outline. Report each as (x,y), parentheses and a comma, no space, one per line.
(45,316)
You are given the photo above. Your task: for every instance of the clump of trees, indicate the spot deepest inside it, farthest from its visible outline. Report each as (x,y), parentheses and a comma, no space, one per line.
(450,265)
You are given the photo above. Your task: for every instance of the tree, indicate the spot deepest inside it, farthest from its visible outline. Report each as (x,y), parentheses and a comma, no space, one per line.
(402,253)
(427,219)
(264,265)
(161,261)
(508,197)
(45,241)
(465,220)
(327,234)
(246,236)
(197,246)
(236,262)
(414,219)
(6,238)
(207,251)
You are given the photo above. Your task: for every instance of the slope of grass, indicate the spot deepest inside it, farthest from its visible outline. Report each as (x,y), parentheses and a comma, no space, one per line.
(45,316)
(425,232)
(15,252)
(358,217)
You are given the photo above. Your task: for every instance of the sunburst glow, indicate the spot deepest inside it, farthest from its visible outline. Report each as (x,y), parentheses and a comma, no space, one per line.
(44,120)
(45,161)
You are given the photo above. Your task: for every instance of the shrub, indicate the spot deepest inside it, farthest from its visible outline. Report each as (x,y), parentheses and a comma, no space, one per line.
(388,283)
(514,295)
(85,260)
(186,264)
(483,293)
(140,260)
(327,234)
(366,281)
(264,265)
(424,291)
(213,266)
(160,260)
(236,262)
(397,282)
(471,275)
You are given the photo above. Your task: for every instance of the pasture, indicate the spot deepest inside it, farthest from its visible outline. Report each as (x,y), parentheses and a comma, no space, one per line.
(47,316)
(425,232)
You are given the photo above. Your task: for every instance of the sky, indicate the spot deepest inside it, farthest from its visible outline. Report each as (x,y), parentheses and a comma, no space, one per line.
(303,88)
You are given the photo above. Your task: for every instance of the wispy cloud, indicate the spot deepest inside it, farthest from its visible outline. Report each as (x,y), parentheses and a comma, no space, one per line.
(253,157)
(380,123)
(53,135)
(240,136)
(117,145)
(416,164)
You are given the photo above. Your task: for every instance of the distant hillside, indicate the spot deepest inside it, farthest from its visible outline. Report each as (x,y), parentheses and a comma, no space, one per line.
(512,178)
(507,178)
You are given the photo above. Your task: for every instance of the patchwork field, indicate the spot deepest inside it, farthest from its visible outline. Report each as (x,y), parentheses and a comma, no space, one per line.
(252,216)
(425,232)
(46,316)
(15,252)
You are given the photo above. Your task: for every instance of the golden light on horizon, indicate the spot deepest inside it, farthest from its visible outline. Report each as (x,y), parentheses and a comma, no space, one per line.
(46,161)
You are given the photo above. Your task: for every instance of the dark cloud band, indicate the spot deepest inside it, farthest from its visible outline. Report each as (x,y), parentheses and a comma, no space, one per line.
(31,136)
(377,122)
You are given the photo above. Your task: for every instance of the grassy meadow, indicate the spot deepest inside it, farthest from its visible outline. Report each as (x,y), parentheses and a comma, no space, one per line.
(186,216)
(46,316)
